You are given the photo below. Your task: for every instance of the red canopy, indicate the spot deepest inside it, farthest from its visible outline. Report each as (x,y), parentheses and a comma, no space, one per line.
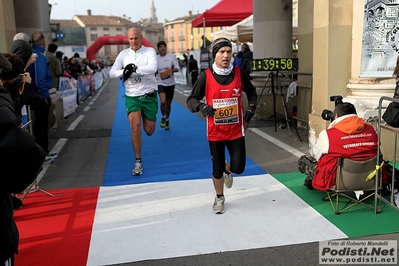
(224,13)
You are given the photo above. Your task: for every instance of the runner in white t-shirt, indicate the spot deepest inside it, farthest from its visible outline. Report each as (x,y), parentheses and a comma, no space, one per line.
(167,65)
(138,65)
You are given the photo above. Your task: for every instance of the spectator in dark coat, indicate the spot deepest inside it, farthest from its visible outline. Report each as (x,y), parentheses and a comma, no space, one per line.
(247,57)
(73,68)
(54,64)
(20,161)
(17,82)
(42,83)
(193,69)
(24,51)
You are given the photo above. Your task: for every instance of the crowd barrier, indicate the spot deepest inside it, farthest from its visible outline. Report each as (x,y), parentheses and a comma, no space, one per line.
(75,91)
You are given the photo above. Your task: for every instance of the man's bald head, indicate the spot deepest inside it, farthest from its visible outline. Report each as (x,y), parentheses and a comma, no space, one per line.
(39,39)
(135,38)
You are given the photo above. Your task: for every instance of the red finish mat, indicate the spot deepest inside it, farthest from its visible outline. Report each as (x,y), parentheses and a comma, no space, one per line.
(56,230)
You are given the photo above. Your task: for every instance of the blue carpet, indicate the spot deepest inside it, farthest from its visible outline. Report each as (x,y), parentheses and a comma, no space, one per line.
(181,153)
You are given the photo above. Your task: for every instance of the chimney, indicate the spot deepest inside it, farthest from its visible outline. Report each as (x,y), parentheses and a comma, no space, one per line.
(190,13)
(89,12)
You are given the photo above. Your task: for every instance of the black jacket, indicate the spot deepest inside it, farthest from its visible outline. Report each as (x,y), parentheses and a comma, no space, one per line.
(198,91)
(20,161)
(247,58)
(192,65)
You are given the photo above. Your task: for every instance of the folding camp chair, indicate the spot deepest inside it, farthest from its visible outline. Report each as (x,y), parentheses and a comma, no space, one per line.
(354,176)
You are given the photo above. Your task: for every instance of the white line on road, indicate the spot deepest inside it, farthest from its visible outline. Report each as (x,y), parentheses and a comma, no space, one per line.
(57,149)
(75,123)
(275,141)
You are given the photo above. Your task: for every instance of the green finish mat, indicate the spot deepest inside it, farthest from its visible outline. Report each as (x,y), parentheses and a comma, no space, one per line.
(355,222)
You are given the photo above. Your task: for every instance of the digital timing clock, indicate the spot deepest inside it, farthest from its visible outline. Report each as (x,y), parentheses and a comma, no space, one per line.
(273,64)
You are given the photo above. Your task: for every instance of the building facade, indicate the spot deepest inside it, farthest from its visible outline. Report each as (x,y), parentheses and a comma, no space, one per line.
(180,36)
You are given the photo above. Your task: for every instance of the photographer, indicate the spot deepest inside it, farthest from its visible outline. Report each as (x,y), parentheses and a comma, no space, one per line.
(17,83)
(348,136)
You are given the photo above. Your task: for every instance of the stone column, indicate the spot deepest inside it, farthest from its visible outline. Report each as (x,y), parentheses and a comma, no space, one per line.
(7,24)
(332,51)
(272,28)
(33,15)
(272,37)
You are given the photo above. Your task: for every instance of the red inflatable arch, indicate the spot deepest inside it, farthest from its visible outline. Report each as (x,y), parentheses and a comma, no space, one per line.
(109,40)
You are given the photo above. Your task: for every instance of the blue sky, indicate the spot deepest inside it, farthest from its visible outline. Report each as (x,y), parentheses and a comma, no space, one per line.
(135,9)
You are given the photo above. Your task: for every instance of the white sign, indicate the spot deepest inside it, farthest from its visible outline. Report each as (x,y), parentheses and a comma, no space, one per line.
(180,77)
(380,43)
(358,252)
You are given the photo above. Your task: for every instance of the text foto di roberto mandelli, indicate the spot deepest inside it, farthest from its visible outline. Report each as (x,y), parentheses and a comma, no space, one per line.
(358,251)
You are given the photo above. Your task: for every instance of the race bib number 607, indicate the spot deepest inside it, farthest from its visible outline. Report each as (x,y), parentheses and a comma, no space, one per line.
(226,111)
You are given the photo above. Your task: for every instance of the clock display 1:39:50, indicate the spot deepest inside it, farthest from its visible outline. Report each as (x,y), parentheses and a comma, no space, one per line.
(270,64)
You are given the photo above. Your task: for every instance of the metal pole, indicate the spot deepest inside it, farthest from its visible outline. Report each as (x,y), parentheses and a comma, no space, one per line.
(203,23)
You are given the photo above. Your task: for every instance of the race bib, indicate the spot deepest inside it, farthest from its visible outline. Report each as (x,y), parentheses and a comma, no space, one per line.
(226,111)
(164,75)
(134,79)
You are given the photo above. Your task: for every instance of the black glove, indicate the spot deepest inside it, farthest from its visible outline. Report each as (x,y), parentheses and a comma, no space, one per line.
(128,70)
(249,113)
(206,110)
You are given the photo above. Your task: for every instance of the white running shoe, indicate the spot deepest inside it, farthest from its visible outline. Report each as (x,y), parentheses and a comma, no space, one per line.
(138,168)
(228,179)
(218,205)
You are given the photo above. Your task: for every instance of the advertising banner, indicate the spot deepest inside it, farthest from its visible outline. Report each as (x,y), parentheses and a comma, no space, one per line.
(69,101)
(83,87)
(68,93)
(181,76)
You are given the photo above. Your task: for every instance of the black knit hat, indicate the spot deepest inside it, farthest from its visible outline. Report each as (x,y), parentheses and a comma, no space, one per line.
(219,43)
(161,43)
(17,67)
(4,64)
(21,49)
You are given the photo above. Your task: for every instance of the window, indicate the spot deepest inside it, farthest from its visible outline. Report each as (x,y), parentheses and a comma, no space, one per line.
(182,47)
(107,50)
(166,27)
(93,37)
(198,30)
(120,48)
(105,29)
(171,26)
(118,29)
(93,28)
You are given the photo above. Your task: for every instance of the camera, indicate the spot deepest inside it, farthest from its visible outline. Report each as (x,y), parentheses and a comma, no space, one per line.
(327,114)
(20,77)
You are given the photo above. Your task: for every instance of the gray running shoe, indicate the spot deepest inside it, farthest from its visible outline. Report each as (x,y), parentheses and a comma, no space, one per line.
(52,155)
(218,205)
(228,179)
(47,160)
(138,168)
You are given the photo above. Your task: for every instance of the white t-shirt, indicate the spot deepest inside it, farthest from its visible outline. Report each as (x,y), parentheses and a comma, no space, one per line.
(143,80)
(168,61)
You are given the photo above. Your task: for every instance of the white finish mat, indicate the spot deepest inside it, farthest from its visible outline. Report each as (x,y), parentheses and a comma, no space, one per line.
(174,219)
